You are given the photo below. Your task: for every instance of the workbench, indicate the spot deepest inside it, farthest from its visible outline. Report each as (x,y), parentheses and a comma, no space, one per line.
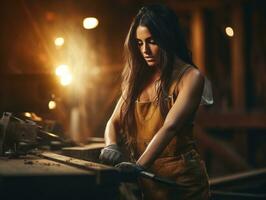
(54,176)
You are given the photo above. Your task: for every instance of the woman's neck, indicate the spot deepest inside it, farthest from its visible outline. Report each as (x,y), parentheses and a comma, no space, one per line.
(149,91)
(155,76)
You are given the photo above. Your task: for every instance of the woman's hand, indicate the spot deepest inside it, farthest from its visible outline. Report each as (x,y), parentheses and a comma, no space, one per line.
(111,155)
(129,167)
(130,170)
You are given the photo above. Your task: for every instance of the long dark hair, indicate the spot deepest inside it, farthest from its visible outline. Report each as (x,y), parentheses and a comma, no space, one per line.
(164,27)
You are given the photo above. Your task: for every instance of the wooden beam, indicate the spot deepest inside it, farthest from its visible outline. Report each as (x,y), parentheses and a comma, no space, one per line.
(238,73)
(192,5)
(238,61)
(189,5)
(231,120)
(228,155)
(227,180)
(198,39)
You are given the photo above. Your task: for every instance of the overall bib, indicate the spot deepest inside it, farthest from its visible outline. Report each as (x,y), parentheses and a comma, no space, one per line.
(179,161)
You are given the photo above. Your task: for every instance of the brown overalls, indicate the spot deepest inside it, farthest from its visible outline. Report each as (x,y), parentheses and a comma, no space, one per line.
(179,161)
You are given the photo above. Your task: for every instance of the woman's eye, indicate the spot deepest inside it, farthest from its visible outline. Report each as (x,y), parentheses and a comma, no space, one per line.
(152,41)
(139,43)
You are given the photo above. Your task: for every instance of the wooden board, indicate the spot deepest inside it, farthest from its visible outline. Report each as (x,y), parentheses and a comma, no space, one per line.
(88,152)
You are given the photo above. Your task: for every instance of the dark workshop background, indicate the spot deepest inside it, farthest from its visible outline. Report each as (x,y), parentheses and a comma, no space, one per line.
(231,133)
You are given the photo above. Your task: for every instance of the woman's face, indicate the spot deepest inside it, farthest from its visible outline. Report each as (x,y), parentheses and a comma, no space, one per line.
(147,46)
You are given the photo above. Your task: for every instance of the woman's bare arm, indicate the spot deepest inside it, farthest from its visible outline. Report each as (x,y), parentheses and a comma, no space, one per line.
(113,125)
(189,96)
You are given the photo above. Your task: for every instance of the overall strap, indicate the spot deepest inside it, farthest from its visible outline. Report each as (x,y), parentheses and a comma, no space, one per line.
(177,78)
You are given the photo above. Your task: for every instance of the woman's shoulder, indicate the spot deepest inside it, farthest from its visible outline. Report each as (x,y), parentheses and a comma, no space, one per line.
(185,74)
(192,73)
(182,70)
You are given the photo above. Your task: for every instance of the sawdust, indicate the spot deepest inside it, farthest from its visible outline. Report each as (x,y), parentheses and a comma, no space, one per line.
(34,162)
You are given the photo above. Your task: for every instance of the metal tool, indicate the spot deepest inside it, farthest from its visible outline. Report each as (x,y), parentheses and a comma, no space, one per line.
(18,136)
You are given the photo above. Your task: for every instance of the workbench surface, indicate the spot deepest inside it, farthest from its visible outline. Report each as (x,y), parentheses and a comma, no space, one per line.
(61,177)
(33,165)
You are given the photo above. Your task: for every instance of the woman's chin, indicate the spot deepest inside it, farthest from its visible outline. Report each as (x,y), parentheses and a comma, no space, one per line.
(151,64)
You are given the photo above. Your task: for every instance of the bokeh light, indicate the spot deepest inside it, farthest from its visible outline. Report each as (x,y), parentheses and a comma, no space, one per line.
(52,105)
(64,73)
(59,41)
(90,23)
(229,31)
(27,114)
(66,79)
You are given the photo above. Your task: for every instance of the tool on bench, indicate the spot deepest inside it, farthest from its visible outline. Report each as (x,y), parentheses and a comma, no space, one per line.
(18,136)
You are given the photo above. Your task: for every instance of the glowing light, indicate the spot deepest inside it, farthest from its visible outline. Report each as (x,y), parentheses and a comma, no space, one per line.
(229,31)
(66,79)
(61,70)
(64,73)
(59,41)
(90,23)
(52,105)
(27,114)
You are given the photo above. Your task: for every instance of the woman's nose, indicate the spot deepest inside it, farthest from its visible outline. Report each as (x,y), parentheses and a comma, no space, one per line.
(146,48)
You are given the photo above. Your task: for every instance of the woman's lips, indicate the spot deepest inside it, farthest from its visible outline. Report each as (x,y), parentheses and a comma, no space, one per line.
(149,59)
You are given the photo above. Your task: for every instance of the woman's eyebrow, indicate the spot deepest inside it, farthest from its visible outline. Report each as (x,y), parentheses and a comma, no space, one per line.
(148,38)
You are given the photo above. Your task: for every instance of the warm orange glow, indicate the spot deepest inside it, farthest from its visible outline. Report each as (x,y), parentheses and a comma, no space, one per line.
(229,31)
(90,22)
(50,16)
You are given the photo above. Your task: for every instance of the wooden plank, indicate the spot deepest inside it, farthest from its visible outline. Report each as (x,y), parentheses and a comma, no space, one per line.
(75,162)
(88,152)
(104,174)
(238,176)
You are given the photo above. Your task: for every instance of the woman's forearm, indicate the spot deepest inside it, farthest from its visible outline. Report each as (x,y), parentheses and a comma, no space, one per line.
(156,146)
(113,125)
(110,135)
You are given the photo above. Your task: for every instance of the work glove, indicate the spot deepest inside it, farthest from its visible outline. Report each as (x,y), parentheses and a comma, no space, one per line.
(111,155)
(130,168)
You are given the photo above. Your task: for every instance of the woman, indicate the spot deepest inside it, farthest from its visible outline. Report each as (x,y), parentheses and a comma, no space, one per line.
(162,90)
